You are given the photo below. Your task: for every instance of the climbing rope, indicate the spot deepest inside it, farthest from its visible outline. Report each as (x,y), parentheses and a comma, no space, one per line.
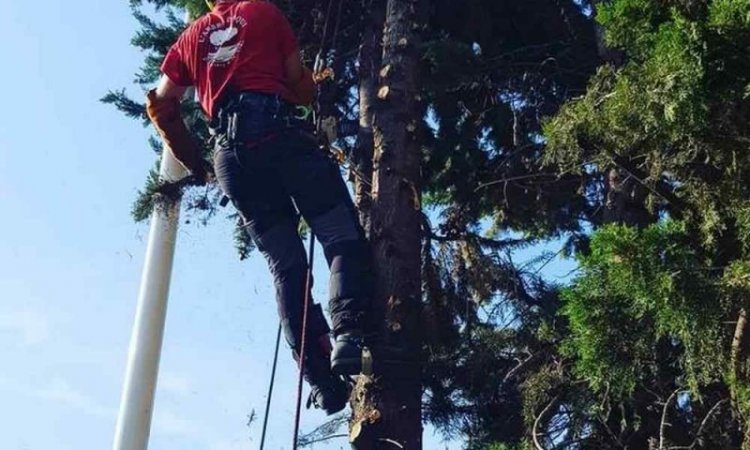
(308,286)
(322,73)
(270,388)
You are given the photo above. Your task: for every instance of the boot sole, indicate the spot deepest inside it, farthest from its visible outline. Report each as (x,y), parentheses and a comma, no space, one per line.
(330,412)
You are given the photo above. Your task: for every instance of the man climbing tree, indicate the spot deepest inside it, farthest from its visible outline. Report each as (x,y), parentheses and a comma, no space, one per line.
(243,59)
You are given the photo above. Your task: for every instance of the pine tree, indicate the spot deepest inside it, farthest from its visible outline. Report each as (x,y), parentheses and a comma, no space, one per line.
(387,406)
(667,126)
(643,174)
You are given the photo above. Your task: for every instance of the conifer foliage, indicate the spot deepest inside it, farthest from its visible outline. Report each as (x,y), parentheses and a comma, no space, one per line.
(533,134)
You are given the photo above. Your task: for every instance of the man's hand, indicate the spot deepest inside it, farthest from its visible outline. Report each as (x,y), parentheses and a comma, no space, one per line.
(323,75)
(203,173)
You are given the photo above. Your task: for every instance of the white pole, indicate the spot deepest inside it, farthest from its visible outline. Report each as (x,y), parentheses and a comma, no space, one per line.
(137,402)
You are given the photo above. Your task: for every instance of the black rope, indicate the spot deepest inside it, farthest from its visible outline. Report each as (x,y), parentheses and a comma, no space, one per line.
(308,286)
(270,388)
(322,51)
(322,48)
(336,28)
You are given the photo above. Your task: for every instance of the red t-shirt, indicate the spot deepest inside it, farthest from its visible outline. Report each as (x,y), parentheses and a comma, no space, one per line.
(239,45)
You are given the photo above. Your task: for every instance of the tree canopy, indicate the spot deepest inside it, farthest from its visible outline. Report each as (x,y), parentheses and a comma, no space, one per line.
(617,130)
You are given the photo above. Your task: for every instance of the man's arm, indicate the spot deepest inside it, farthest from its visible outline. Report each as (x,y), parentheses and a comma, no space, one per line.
(163,107)
(299,79)
(168,89)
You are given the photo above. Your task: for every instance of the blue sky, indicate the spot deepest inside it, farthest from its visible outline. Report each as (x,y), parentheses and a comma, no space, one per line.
(71,258)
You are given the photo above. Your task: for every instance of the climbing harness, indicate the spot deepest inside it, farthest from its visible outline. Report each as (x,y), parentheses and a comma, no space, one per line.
(302,113)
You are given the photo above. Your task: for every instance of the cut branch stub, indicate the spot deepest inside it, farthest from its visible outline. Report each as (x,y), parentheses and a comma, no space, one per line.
(355,432)
(365,412)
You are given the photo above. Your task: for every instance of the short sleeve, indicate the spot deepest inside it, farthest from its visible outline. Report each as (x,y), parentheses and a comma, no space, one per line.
(287,39)
(174,67)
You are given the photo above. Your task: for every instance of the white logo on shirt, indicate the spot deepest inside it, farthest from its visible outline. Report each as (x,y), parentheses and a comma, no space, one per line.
(221,36)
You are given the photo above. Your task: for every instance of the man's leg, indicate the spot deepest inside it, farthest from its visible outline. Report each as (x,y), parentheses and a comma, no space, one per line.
(250,180)
(320,193)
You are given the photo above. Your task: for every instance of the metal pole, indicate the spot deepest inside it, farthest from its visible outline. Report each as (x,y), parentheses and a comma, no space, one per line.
(137,402)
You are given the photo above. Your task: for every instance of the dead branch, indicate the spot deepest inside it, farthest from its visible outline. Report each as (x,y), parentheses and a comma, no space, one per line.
(704,422)
(322,439)
(512,373)
(738,340)
(517,178)
(535,433)
(664,413)
(391,441)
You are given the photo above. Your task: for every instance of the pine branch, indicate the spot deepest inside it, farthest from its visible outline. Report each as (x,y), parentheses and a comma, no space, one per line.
(325,432)
(126,105)
(158,194)
(243,243)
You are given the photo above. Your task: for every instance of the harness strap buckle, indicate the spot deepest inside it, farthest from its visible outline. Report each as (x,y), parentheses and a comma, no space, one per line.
(302,113)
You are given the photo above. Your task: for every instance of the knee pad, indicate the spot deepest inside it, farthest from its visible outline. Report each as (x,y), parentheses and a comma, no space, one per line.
(350,285)
(339,225)
(350,270)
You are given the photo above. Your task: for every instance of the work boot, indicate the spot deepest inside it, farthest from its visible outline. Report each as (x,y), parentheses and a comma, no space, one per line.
(327,391)
(346,358)
(329,395)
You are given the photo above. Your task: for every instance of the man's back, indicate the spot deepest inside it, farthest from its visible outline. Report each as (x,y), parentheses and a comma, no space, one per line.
(239,46)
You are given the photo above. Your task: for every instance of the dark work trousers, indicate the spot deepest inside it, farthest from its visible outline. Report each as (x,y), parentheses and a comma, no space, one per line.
(272,170)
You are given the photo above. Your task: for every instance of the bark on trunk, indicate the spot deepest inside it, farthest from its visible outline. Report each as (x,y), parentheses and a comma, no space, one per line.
(740,347)
(626,200)
(387,406)
(370,57)
(739,367)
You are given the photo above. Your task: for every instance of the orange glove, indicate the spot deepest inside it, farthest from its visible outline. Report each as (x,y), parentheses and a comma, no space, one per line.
(165,115)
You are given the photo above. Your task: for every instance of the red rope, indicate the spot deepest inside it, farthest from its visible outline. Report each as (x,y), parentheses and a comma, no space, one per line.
(311,251)
(308,282)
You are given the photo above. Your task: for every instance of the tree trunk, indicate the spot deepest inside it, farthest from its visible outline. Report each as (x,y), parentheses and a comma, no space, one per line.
(387,406)
(626,200)
(370,57)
